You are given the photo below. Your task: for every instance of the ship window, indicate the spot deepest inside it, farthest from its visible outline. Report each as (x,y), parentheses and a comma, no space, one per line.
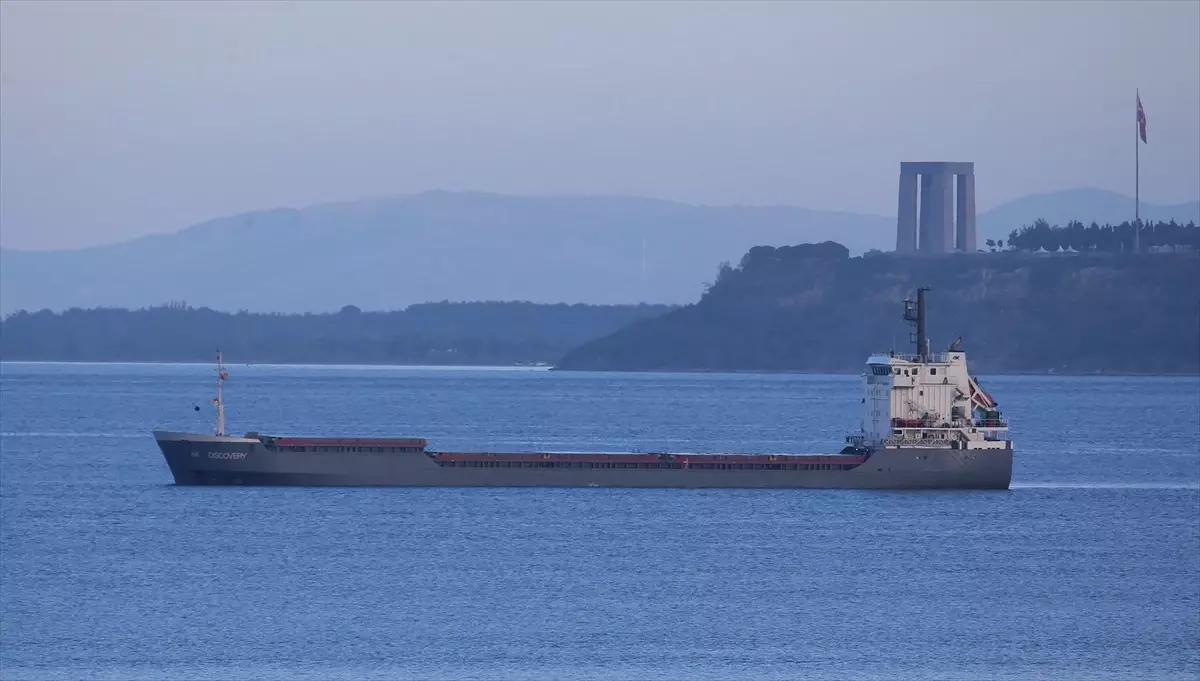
(933,372)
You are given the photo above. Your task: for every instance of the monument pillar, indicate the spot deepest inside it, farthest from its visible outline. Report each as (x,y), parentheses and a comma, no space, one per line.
(906,222)
(944,195)
(964,221)
(937,207)
(945,225)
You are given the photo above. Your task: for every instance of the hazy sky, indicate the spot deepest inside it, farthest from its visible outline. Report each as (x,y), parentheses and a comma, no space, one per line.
(118,120)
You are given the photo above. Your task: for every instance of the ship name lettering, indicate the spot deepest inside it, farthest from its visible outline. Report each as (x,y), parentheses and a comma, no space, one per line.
(227,455)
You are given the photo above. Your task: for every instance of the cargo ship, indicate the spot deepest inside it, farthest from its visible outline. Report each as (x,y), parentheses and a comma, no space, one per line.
(926,424)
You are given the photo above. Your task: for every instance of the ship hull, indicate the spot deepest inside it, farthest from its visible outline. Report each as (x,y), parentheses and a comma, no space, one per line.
(212,460)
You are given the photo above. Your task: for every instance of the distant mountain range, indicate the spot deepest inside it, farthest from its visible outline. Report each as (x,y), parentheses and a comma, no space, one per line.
(382,254)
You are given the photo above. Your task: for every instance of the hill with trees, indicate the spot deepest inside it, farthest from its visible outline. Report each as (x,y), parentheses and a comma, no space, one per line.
(483,333)
(814,308)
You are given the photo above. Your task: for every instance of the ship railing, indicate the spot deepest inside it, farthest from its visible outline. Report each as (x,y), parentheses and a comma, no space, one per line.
(931,435)
(990,423)
(931,424)
(917,442)
(941,357)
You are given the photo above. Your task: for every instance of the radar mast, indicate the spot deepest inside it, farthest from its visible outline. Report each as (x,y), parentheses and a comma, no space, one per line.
(222,376)
(914,313)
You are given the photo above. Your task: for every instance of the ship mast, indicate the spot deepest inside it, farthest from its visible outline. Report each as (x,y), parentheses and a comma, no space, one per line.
(915,313)
(220,400)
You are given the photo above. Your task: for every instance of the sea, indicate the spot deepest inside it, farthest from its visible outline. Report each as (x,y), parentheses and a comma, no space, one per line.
(1087,568)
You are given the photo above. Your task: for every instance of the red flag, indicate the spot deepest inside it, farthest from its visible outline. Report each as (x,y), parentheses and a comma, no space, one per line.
(1141,119)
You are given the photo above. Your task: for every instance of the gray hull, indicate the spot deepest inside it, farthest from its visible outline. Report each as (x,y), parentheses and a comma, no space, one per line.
(210,460)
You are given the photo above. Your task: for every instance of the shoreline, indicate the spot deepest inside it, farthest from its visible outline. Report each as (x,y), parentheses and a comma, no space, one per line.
(555,369)
(826,372)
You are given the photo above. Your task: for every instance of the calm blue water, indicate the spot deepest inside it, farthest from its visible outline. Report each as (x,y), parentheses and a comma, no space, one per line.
(1089,568)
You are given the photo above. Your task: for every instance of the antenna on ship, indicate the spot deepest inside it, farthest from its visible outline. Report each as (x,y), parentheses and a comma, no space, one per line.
(222,376)
(915,313)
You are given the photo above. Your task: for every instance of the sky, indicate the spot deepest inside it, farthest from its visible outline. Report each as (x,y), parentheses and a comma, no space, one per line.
(124,119)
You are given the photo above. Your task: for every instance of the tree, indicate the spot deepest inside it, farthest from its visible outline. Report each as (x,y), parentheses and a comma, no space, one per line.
(1104,239)
(991,244)
(724,270)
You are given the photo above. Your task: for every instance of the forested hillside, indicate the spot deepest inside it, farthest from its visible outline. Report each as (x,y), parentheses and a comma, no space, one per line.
(435,333)
(814,308)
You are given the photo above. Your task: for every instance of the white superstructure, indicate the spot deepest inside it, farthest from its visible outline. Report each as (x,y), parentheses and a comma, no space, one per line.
(927,399)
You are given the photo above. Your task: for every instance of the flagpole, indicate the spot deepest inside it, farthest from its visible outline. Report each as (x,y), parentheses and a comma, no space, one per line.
(1137,168)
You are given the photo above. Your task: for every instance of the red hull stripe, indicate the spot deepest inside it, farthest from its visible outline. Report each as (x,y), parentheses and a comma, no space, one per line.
(644,458)
(350,442)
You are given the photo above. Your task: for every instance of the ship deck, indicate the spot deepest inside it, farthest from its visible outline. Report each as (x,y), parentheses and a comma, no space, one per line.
(567,459)
(642,456)
(653,460)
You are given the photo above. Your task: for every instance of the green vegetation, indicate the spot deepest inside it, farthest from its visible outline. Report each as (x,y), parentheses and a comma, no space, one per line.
(1095,238)
(813,308)
(487,333)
